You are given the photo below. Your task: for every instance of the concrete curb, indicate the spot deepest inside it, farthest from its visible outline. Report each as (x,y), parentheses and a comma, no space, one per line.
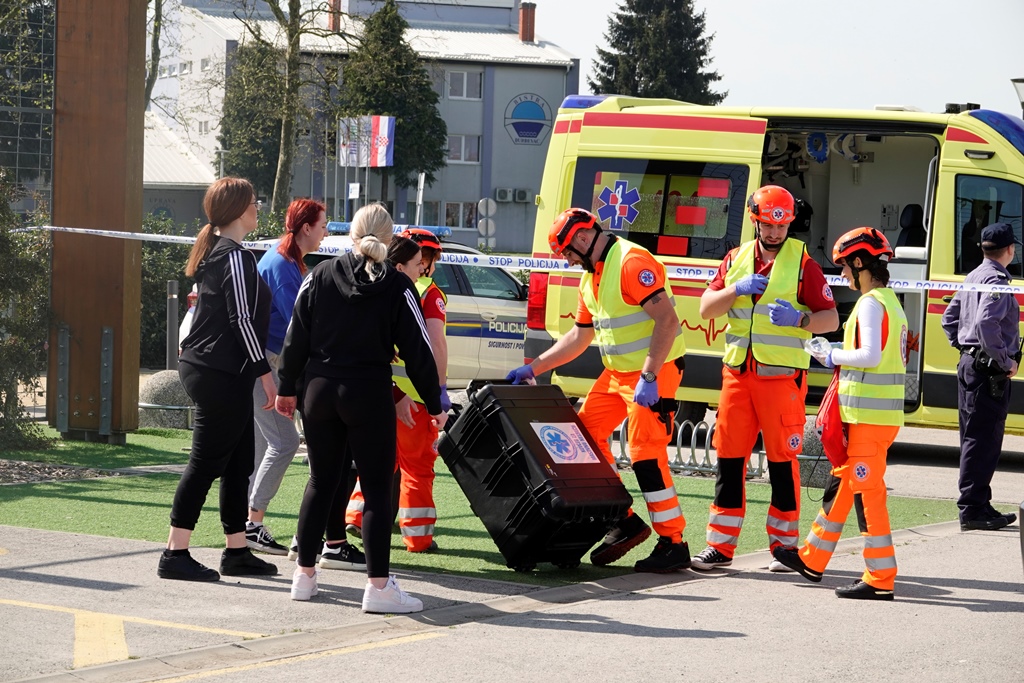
(289,645)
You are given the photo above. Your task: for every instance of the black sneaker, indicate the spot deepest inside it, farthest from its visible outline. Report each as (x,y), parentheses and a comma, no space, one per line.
(859,590)
(791,558)
(245,564)
(258,537)
(711,558)
(984,523)
(344,556)
(184,568)
(627,534)
(1010,516)
(666,557)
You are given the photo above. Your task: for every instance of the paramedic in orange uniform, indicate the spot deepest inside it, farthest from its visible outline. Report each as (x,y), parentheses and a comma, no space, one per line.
(872,365)
(623,303)
(775,296)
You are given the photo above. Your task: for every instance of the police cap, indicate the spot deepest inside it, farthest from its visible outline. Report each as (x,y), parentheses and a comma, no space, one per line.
(997,236)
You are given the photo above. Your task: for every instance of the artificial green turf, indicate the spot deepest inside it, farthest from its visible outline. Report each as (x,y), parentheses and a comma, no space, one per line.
(137,507)
(144,447)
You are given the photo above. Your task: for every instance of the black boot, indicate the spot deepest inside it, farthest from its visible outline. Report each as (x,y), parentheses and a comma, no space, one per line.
(859,590)
(627,534)
(667,557)
(241,562)
(791,558)
(182,567)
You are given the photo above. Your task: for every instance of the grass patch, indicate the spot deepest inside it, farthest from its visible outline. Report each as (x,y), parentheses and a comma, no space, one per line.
(139,507)
(143,448)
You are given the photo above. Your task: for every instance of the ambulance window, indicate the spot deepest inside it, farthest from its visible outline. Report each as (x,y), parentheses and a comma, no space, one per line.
(981,201)
(672,208)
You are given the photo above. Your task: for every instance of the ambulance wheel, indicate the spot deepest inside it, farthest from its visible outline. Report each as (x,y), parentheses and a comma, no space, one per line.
(568,565)
(524,568)
(693,413)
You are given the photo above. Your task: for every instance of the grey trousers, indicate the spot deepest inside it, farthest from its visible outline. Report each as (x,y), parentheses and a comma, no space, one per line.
(277,440)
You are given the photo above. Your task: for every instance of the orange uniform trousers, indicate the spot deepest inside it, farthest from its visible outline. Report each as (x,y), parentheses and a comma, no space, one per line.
(858,483)
(415,462)
(608,403)
(773,405)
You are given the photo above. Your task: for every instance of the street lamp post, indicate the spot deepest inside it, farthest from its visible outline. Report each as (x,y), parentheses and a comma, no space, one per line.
(1018,85)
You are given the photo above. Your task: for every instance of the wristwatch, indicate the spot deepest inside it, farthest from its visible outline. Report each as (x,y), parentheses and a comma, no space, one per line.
(649,377)
(805,319)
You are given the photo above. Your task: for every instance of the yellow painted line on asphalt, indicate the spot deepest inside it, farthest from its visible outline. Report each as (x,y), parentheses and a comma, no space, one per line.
(403,640)
(134,620)
(3,551)
(99,639)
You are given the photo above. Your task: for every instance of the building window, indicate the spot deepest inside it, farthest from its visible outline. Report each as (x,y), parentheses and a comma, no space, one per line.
(204,64)
(465,85)
(460,214)
(464,148)
(185,68)
(172,69)
(437,81)
(163,72)
(431,213)
(204,127)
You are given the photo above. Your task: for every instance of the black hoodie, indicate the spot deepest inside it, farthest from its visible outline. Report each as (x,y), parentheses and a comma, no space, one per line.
(347,325)
(229,326)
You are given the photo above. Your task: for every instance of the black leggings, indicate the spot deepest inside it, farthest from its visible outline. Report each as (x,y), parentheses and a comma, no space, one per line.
(346,420)
(222,446)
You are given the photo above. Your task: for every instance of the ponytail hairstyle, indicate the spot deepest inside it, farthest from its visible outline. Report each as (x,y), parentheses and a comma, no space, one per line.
(372,230)
(874,265)
(300,212)
(225,202)
(401,250)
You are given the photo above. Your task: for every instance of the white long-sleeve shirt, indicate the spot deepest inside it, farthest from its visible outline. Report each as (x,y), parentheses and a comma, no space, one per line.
(869,325)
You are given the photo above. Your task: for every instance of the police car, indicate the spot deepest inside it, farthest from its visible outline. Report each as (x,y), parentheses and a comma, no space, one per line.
(486,312)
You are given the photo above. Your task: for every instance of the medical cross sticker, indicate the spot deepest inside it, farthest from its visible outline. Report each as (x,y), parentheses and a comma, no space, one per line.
(619,204)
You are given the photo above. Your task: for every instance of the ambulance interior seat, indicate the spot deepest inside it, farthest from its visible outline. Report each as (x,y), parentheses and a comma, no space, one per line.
(912,233)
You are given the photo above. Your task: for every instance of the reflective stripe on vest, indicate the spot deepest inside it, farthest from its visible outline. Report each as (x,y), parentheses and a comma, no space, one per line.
(772,344)
(875,395)
(622,331)
(398,372)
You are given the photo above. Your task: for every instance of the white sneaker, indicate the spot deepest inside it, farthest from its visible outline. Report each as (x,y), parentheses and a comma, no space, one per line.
(389,600)
(293,550)
(304,586)
(776,566)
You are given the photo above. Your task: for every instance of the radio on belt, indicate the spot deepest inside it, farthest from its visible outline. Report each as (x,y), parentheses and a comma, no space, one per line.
(532,473)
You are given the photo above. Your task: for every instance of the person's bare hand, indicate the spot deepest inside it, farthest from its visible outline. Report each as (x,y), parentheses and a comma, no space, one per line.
(285,405)
(1013,369)
(440,420)
(405,408)
(269,389)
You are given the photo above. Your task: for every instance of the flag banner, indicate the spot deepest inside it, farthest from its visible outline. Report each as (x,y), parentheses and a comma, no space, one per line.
(382,141)
(354,141)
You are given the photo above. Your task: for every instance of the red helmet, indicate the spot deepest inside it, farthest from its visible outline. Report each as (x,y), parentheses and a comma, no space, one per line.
(868,239)
(422,237)
(772,204)
(566,225)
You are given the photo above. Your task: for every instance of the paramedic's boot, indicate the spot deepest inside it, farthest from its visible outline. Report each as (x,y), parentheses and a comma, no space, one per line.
(667,557)
(628,533)
(791,558)
(859,590)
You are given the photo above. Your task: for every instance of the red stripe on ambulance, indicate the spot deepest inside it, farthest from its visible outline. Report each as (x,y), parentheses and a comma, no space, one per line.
(961,135)
(707,123)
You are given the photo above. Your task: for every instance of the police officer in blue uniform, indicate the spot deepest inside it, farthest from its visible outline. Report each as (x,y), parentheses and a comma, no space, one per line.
(984,327)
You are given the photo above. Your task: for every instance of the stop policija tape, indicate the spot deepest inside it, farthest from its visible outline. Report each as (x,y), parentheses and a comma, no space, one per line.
(513,262)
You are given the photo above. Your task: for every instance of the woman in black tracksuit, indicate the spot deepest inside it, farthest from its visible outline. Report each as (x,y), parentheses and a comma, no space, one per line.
(220,359)
(350,315)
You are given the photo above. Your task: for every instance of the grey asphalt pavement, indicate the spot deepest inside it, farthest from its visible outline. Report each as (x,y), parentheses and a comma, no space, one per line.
(88,608)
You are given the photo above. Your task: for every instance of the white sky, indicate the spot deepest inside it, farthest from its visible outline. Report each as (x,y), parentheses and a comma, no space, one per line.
(837,53)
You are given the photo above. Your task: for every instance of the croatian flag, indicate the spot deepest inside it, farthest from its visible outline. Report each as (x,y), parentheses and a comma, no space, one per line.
(382,141)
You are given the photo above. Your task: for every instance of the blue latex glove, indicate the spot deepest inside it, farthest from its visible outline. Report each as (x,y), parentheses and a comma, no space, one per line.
(828,361)
(646,393)
(520,375)
(783,314)
(446,402)
(751,284)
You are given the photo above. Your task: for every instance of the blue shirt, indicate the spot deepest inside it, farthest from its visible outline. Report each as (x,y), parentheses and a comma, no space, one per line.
(987,320)
(283,278)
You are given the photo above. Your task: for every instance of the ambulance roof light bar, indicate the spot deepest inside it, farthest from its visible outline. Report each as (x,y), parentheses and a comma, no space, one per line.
(582,101)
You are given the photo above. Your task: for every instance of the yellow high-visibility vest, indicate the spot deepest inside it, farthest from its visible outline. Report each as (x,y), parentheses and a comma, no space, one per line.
(875,395)
(398,373)
(623,331)
(749,324)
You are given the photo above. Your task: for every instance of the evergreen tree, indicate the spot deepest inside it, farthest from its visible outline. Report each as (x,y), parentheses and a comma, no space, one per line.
(384,76)
(657,48)
(251,122)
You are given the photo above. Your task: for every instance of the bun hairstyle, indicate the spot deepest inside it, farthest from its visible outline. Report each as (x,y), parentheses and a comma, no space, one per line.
(372,231)
(300,212)
(224,203)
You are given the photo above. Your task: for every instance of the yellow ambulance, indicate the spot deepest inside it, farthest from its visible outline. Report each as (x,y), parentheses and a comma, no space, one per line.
(674,178)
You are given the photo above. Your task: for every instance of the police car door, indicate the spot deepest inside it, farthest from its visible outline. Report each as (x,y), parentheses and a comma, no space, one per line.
(462,330)
(501,301)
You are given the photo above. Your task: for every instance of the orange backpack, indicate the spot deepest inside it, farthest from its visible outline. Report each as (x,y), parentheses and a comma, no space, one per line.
(829,425)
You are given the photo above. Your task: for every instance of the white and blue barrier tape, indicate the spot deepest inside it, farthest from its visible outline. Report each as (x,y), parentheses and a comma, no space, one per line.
(514,262)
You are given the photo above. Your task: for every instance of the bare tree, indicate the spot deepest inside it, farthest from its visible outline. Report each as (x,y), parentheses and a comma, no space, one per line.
(153,68)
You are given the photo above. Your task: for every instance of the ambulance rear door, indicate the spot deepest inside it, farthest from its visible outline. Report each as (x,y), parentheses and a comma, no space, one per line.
(676,184)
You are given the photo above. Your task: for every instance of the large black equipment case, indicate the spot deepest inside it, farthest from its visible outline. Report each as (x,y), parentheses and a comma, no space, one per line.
(532,473)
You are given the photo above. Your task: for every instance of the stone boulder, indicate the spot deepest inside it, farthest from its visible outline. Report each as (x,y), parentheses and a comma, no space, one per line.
(164,388)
